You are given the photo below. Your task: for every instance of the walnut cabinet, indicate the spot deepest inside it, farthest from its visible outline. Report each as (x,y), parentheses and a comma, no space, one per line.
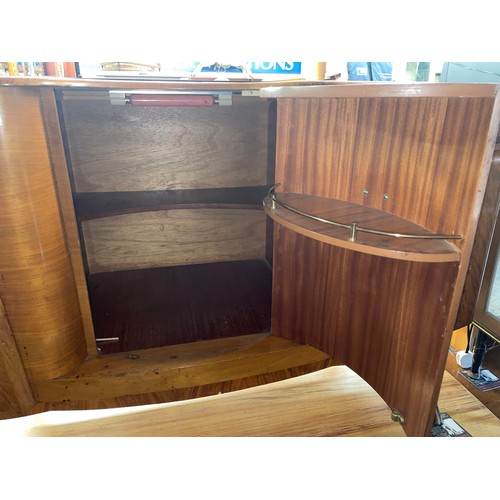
(339,216)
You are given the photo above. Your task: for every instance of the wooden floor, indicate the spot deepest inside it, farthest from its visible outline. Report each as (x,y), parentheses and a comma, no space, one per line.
(149,308)
(243,362)
(181,372)
(491,399)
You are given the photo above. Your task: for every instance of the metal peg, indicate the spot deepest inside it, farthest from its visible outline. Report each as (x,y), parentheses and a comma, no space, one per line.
(353,234)
(397,416)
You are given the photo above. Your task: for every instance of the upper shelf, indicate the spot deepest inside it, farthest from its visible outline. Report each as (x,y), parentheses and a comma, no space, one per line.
(360,228)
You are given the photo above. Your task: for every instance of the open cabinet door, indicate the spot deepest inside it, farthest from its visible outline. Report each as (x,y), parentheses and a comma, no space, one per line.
(379,187)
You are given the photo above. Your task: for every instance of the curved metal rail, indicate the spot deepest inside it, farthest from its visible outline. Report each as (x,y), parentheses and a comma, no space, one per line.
(353,227)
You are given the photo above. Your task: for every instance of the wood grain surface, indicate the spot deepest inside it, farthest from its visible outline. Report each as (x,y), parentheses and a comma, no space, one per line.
(98,84)
(180,236)
(156,307)
(185,371)
(37,284)
(331,402)
(16,397)
(125,148)
(93,205)
(419,154)
(489,211)
(345,213)
(466,410)
(247,353)
(370,313)
(379,89)
(65,198)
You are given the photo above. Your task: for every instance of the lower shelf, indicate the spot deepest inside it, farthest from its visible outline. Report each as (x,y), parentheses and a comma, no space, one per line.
(167,306)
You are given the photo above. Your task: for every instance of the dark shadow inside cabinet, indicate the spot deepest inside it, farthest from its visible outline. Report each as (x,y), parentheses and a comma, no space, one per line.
(168,200)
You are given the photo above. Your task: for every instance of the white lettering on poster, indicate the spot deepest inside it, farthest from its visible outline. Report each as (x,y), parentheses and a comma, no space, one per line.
(273,66)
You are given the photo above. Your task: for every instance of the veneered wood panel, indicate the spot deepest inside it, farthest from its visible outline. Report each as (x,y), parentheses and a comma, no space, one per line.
(370,313)
(330,402)
(408,156)
(16,396)
(37,285)
(229,363)
(420,156)
(367,219)
(174,237)
(65,198)
(479,252)
(130,148)
(155,307)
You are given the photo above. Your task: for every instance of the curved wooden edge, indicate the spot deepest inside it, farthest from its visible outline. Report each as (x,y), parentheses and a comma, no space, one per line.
(334,401)
(168,207)
(38,285)
(108,83)
(299,225)
(375,89)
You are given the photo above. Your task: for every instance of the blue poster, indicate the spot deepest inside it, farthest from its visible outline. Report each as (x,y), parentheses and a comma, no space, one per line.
(288,68)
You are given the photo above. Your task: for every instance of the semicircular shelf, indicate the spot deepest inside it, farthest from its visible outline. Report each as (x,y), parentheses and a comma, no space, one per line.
(359,228)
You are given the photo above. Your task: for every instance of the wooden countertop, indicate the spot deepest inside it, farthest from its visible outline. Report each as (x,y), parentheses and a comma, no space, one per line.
(334,401)
(270,88)
(109,83)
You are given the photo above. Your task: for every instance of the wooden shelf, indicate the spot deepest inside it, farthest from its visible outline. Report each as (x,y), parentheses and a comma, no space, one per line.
(148,308)
(342,212)
(95,204)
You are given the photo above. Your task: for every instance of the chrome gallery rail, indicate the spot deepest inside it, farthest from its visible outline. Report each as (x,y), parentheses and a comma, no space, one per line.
(353,227)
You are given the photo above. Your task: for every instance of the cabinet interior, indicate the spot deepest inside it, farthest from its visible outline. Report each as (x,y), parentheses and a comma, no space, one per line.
(176,245)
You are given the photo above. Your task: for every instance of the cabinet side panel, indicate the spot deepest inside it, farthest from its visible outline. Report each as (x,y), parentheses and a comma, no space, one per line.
(370,313)
(480,248)
(16,397)
(37,285)
(64,193)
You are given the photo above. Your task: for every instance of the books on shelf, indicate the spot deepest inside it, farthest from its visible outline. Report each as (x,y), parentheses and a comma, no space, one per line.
(56,69)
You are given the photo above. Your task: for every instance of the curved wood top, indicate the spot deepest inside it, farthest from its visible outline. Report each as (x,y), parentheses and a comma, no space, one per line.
(375,89)
(108,83)
(269,89)
(412,249)
(334,401)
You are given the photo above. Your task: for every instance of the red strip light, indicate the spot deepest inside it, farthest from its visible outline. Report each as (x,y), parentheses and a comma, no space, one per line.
(171,100)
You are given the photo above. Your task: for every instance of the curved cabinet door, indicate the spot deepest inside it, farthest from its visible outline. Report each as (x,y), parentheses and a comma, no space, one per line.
(37,284)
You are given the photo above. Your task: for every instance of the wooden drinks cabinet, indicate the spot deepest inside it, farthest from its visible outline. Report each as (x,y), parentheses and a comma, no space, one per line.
(333,215)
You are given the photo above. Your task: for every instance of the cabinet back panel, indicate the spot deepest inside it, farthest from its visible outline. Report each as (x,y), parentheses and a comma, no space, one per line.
(163,238)
(130,148)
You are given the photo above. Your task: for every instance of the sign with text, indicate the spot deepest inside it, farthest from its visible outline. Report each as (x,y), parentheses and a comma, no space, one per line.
(274,68)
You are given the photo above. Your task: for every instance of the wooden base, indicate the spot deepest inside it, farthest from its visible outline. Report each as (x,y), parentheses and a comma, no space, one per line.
(331,402)
(191,371)
(179,372)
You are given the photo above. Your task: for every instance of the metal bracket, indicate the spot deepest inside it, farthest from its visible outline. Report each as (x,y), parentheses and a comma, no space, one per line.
(122,98)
